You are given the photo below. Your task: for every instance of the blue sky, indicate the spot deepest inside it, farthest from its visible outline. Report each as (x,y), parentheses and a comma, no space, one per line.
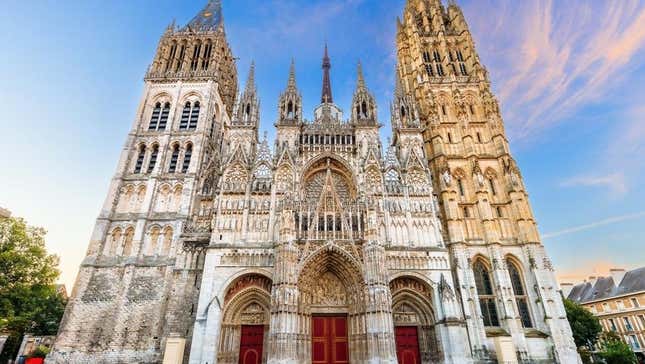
(570,77)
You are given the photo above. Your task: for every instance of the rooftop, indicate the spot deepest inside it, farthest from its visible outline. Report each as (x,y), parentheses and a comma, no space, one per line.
(606,287)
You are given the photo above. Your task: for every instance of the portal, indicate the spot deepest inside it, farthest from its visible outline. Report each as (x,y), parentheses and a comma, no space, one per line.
(329,340)
(251,344)
(407,345)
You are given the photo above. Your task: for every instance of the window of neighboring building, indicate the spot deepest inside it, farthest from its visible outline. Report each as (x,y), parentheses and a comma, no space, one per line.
(484,285)
(635,303)
(628,324)
(633,340)
(605,307)
(612,325)
(642,317)
(620,305)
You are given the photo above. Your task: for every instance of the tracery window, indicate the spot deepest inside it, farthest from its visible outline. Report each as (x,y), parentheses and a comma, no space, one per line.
(437,61)
(208,50)
(520,294)
(196,53)
(462,63)
(140,158)
(484,285)
(187,157)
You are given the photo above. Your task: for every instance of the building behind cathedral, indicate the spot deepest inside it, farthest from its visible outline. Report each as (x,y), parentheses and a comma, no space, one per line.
(327,247)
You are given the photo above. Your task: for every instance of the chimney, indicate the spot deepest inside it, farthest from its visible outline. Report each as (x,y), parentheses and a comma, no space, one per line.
(617,274)
(566,289)
(593,280)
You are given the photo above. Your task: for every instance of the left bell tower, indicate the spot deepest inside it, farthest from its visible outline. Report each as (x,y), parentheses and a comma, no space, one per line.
(136,293)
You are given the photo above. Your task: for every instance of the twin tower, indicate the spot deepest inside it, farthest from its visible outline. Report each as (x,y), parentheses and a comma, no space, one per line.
(327,247)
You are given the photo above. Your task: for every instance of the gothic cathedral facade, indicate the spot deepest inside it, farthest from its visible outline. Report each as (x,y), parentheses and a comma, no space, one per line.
(214,247)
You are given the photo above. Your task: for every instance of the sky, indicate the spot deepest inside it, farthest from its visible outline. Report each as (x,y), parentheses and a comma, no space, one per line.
(569,75)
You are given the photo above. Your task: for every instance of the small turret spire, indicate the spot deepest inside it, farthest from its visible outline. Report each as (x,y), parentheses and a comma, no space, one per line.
(292,75)
(359,72)
(326,97)
(250,82)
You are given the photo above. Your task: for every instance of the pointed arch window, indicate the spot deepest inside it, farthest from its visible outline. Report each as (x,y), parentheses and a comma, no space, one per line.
(154,120)
(171,55)
(462,63)
(427,61)
(437,61)
(174,159)
(460,184)
(153,158)
(484,285)
(491,183)
(187,156)
(140,158)
(520,293)
(163,119)
(180,60)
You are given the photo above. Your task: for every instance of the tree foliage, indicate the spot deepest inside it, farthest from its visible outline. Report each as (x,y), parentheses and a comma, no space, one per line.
(29,300)
(584,324)
(613,350)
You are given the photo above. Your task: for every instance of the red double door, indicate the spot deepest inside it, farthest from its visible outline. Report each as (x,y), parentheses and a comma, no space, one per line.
(407,345)
(252,344)
(329,340)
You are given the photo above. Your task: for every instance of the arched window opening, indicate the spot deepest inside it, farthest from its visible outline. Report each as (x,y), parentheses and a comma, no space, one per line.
(127,244)
(491,183)
(163,119)
(116,240)
(479,137)
(460,184)
(364,109)
(290,111)
(462,63)
(140,158)
(180,60)
(247,112)
(444,111)
(185,117)
(484,285)
(153,158)
(196,53)
(174,159)
(428,63)
(187,156)
(171,56)
(466,213)
(520,294)
(208,50)
(167,241)
(194,116)
(154,120)
(500,213)
(154,240)
(437,61)
(450,138)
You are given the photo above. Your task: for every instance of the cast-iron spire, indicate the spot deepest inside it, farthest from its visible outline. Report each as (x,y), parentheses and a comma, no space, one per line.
(327,97)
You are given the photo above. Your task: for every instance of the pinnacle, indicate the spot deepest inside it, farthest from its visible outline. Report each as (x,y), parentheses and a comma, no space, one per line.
(292,75)
(250,82)
(361,78)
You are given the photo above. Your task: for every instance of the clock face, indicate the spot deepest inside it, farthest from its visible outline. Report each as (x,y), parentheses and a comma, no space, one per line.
(207,14)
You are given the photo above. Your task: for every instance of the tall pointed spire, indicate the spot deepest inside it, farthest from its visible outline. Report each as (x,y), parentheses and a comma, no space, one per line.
(210,18)
(326,97)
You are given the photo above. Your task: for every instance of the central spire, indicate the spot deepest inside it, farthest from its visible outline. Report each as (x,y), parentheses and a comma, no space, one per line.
(326,97)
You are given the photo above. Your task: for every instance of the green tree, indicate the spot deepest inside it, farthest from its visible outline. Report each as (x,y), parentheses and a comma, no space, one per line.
(29,301)
(584,324)
(613,350)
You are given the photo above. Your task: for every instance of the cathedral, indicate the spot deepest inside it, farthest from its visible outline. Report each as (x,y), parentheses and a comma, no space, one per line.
(325,247)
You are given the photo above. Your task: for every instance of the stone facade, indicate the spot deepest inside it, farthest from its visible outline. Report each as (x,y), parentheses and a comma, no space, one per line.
(208,231)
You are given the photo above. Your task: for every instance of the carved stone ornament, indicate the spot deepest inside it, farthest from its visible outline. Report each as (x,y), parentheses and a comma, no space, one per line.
(329,291)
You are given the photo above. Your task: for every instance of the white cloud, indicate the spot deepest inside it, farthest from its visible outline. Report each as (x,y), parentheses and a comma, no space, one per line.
(614,182)
(593,225)
(550,58)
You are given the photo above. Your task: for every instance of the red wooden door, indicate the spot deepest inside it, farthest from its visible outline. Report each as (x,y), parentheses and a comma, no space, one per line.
(251,344)
(329,340)
(407,345)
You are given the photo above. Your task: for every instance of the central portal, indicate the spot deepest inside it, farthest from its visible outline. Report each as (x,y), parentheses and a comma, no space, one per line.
(329,340)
